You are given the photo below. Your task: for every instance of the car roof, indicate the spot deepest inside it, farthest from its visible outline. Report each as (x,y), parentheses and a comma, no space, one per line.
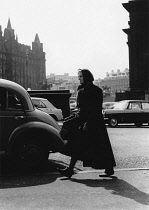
(131,100)
(19,90)
(11,85)
(109,102)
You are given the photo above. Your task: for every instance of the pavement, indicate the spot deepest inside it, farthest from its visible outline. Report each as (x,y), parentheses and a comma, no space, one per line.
(126,189)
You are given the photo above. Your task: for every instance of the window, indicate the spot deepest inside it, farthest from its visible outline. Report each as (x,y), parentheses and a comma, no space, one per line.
(13,101)
(8,100)
(145,105)
(2,99)
(38,103)
(134,106)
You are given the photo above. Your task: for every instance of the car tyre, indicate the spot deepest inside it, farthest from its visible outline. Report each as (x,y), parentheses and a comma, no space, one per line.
(138,124)
(113,122)
(30,154)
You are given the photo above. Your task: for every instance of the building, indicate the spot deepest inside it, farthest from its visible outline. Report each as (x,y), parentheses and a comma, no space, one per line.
(63,82)
(116,81)
(138,45)
(20,63)
(112,83)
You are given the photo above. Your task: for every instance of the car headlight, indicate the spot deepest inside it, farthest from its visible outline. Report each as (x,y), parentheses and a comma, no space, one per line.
(103,112)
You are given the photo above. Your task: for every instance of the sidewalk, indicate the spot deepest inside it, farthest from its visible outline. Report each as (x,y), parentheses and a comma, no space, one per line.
(126,189)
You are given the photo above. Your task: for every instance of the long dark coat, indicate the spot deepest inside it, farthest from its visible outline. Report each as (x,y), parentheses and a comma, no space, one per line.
(91,144)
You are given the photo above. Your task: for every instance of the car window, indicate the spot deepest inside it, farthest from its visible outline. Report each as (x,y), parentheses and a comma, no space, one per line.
(134,106)
(13,102)
(120,105)
(38,103)
(48,104)
(2,99)
(145,106)
(8,100)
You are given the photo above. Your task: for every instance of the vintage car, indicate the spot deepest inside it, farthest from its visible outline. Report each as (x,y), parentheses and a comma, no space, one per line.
(27,135)
(46,106)
(128,111)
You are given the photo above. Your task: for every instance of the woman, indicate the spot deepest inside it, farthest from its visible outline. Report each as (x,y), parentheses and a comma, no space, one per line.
(91,143)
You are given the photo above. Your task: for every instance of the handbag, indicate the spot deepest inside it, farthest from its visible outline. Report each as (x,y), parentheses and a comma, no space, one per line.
(70,127)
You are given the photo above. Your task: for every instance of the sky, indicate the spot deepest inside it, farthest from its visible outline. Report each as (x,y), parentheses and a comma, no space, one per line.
(75,33)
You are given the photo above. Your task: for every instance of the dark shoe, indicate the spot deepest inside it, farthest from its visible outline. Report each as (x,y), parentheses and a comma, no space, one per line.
(67,172)
(109,171)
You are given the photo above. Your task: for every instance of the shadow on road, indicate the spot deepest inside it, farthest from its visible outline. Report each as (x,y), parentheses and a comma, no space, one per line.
(118,187)
(12,177)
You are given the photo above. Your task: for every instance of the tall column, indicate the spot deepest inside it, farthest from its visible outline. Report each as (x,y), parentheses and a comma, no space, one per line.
(138,43)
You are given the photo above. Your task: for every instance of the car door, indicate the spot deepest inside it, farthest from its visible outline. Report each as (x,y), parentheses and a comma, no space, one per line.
(12,115)
(145,112)
(133,113)
(2,108)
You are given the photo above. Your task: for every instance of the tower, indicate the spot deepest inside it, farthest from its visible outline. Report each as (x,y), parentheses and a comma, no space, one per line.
(20,63)
(39,57)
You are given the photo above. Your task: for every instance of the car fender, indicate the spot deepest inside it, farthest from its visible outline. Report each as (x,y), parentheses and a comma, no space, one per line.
(52,136)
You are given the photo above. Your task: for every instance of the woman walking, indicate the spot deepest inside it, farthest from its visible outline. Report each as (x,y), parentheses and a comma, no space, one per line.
(91,144)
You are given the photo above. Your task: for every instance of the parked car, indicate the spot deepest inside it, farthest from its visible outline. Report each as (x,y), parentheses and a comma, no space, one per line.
(27,134)
(128,111)
(72,104)
(46,106)
(108,105)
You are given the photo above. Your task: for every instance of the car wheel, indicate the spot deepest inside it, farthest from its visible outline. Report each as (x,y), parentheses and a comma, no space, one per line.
(30,153)
(113,122)
(138,124)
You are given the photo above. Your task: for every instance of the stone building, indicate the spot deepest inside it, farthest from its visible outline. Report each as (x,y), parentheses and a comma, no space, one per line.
(116,81)
(63,82)
(138,45)
(20,63)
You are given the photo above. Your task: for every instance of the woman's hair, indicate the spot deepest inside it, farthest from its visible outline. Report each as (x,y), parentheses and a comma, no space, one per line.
(87,75)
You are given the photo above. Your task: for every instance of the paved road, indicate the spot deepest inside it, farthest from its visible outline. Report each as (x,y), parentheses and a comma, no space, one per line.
(130,146)
(47,190)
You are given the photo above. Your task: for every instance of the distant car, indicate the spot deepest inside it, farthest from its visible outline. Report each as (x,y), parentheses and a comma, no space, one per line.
(72,104)
(128,111)
(46,106)
(27,135)
(108,105)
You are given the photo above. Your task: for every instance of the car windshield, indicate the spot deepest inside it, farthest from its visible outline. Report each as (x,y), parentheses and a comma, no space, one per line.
(48,104)
(120,105)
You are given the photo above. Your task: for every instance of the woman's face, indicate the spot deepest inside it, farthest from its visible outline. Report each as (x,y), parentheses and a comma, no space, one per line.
(80,77)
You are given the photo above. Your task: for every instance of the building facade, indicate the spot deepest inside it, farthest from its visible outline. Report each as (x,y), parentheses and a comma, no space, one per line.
(116,81)
(138,45)
(63,82)
(20,63)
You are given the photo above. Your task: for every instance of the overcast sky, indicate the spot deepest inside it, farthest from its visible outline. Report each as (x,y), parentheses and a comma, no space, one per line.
(75,33)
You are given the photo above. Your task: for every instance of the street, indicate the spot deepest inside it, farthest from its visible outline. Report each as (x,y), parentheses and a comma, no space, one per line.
(47,189)
(130,147)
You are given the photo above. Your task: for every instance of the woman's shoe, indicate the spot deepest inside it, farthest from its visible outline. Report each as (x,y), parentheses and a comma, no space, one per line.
(67,172)
(109,171)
